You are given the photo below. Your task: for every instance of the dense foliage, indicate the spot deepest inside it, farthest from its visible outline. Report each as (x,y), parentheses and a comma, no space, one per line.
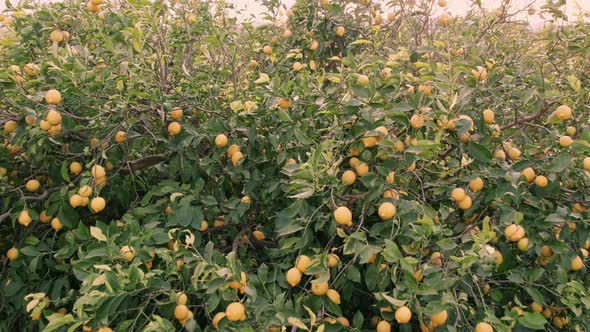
(344,166)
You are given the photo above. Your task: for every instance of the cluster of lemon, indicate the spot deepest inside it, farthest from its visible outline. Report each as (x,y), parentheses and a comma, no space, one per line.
(234,312)
(52,122)
(93,6)
(234,153)
(174,126)
(181,312)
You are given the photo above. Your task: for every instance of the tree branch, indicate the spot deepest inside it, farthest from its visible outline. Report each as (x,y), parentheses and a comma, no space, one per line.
(530,117)
(5,215)
(131,166)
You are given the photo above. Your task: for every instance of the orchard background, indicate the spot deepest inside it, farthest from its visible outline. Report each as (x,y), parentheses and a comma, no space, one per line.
(341,166)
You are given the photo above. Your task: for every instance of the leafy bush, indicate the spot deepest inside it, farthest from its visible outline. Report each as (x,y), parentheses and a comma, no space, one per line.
(346,167)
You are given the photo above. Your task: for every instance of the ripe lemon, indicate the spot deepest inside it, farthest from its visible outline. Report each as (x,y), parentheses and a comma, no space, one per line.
(176,113)
(586,163)
(498,256)
(319,288)
(75,168)
(386,211)
(382,130)
(56,36)
(362,169)
(246,199)
(576,263)
(563,112)
(483,327)
(173,128)
(488,116)
(105,329)
(354,162)
(221,141)
(514,154)
(44,217)
(77,200)
(297,66)
(546,251)
(56,224)
(267,50)
(232,149)
(403,315)
(44,125)
(465,204)
(181,298)
(340,31)
(458,194)
(97,204)
(370,141)
(236,157)
(235,311)
(333,260)
(499,154)
(343,216)
(314,45)
(12,254)
(284,103)
(258,235)
(293,277)
(10,126)
(333,295)
(98,171)
(437,258)
(348,177)
(529,174)
(442,3)
(127,252)
(181,312)
(85,191)
(302,263)
(383,326)
(523,244)
(541,181)
(120,136)
(32,185)
(204,226)
(418,275)
(52,97)
(565,141)
(53,117)
(514,232)
(440,318)
(476,184)
(24,218)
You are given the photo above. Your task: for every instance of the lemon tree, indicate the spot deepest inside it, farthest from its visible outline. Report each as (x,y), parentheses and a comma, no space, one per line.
(335,166)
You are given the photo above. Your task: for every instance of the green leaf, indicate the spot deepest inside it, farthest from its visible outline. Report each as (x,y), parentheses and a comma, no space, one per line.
(532,320)
(479,152)
(560,163)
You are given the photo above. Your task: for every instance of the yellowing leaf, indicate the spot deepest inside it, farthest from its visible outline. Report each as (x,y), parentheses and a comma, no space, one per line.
(297,322)
(262,79)
(97,233)
(236,105)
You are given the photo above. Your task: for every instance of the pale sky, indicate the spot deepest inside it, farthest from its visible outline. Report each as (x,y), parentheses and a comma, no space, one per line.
(454,7)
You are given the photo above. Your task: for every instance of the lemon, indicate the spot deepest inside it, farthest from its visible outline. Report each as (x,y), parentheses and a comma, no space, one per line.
(576,263)
(386,211)
(221,140)
(488,116)
(514,232)
(563,112)
(24,218)
(218,317)
(333,260)
(437,258)
(120,136)
(483,327)
(12,254)
(523,244)
(403,315)
(232,149)
(458,194)
(343,216)
(56,224)
(293,277)
(541,181)
(302,263)
(176,113)
(236,157)
(75,168)
(319,288)
(465,204)
(333,295)
(32,185)
(348,177)
(439,318)
(181,312)
(476,184)
(52,97)
(173,128)
(97,204)
(340,31)
(529,174)
(235,311)
(383,326)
